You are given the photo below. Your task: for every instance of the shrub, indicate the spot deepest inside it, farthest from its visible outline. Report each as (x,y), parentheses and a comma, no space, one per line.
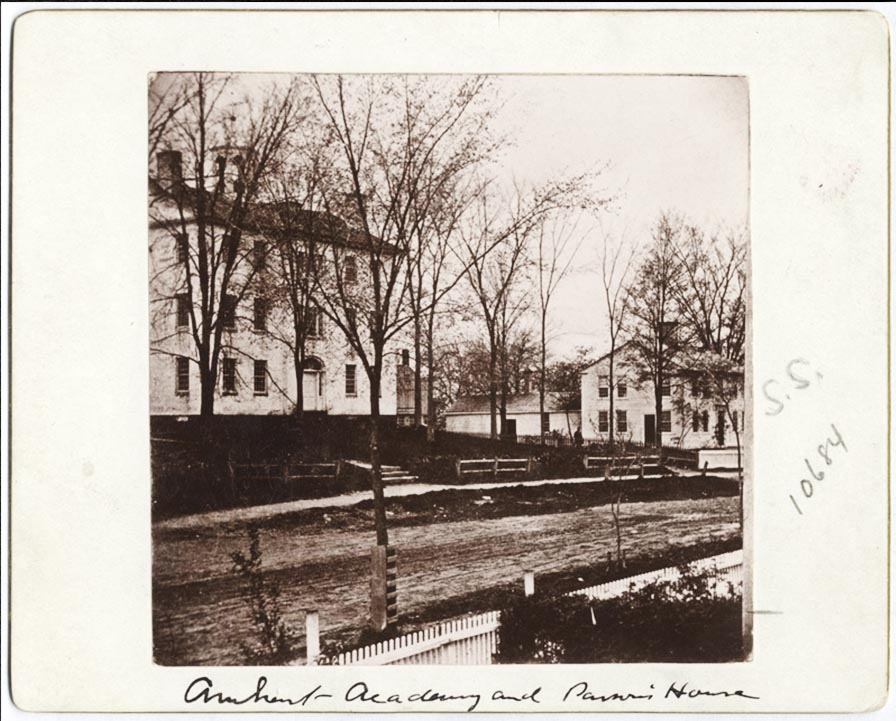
(274,638)
(666,621)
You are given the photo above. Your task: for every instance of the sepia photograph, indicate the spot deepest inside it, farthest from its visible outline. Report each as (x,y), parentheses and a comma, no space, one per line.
(447,369)
(542,353)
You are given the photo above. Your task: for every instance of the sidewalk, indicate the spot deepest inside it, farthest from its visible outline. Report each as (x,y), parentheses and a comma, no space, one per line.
(242,515)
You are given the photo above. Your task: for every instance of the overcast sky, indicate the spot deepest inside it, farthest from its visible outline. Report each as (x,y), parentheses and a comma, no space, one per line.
(672,143)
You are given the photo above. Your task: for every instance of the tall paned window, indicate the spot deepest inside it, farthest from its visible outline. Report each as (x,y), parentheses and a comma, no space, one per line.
(183,375)
(183,247)
(621,421)
(228,376)
(183,310)
(350,272)
(666,422)
(259,254)
(351,380)
(260,377)
(260,316)
(228,312)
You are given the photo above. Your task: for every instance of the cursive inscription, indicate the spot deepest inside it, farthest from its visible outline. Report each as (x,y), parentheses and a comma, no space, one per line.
(200,690)
(581,691)
(682,691)
(360,693)
(532,696)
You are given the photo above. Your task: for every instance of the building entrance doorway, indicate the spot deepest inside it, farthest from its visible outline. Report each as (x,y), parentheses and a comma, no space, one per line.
(649,430)
(313,385)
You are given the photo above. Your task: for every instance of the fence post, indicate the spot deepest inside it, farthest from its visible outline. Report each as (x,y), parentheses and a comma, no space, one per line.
(529,583)
(528,466)
(312,637)
(459,472)
(495,469)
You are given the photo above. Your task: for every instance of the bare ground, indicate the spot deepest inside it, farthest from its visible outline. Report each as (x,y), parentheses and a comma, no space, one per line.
(201,617)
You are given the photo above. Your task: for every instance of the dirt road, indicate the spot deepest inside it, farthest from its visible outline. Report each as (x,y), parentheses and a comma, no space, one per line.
(201,617)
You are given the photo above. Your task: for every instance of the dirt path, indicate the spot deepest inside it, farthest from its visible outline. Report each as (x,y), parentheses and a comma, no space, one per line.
(213,519)
(200,617)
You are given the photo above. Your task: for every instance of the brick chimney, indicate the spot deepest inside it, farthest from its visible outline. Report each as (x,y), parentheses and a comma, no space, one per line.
(169,168)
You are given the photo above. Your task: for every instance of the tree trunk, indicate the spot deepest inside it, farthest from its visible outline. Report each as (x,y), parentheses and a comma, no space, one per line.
(418,374)
(207,416)
(543,378)
(207,395)
(431,418)
(493,390)
(376,471)
(299,363)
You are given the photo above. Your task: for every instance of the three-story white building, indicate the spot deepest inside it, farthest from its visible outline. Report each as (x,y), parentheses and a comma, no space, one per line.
(256,369)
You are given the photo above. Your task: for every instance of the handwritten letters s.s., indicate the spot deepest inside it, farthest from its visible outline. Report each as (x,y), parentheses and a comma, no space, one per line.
(798,372)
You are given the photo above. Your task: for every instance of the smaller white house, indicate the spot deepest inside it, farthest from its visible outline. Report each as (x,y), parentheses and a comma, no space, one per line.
(470,414)
(692,416)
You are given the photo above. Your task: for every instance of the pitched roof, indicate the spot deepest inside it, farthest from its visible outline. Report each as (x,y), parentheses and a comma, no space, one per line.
(516,404)
(283,219)
(686,369)
(604,356)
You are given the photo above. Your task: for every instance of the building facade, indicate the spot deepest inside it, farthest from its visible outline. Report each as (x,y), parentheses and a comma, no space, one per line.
(256,370)
(694,414)
(471,415)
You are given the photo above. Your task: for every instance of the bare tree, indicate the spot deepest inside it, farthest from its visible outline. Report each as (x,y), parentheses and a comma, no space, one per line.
(219,152)
(495,258)
(555,254)
(432,267)
(711,295)
(495,244)
(381,168)
(712,306)
(439,270)
(653,311)
(615,265)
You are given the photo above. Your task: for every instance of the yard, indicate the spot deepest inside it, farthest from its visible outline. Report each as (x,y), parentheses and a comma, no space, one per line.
(456,551)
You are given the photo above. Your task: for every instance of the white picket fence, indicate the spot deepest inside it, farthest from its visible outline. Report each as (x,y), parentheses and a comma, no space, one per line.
(725,568)
(473,640)
(469,641)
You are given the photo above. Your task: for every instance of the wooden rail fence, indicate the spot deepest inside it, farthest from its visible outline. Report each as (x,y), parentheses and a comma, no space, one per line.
(619,463)
(285,471)
(493,466)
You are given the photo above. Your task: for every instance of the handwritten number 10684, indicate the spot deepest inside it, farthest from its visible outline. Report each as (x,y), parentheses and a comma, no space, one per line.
(825,455)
